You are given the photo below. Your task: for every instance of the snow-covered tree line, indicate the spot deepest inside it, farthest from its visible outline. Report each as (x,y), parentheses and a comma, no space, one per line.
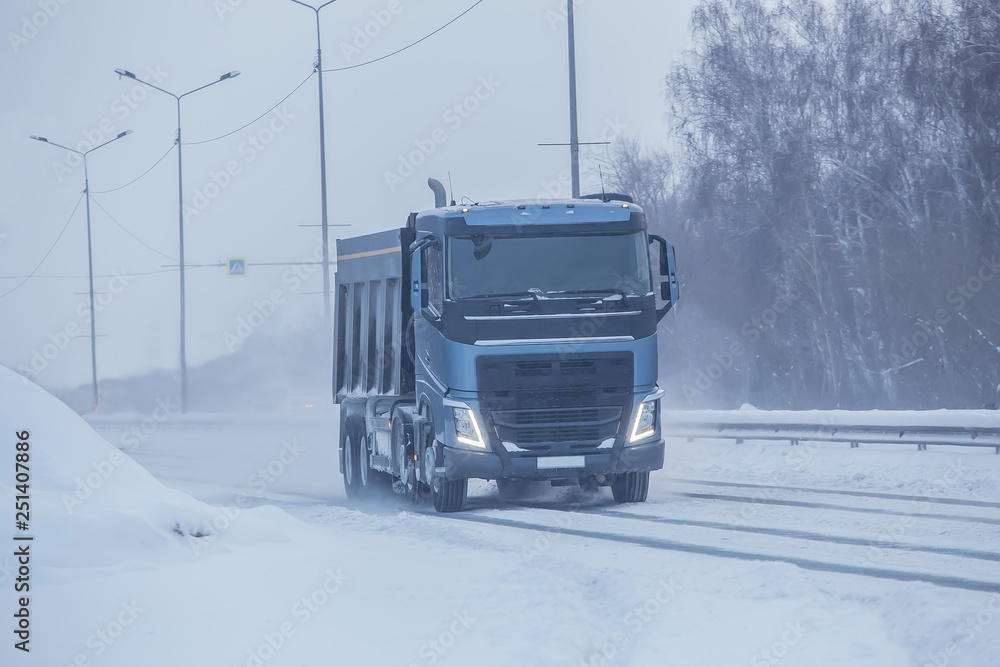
(834,193)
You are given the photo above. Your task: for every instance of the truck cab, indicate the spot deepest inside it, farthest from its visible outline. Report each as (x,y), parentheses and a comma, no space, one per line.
(508,341)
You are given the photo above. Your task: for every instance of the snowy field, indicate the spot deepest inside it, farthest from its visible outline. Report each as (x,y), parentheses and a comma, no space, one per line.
(225,542)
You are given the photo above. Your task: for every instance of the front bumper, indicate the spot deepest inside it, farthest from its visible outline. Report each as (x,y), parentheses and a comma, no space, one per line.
(464,463)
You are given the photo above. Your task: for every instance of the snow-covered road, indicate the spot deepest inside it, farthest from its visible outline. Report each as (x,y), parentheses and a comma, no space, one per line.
(228,541)
(754,554)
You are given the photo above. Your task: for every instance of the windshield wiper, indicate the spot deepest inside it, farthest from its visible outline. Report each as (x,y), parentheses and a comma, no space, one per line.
(533,293)
(612,290)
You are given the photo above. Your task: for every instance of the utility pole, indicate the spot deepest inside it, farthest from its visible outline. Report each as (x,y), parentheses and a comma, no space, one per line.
(327,324)
(574,134)
(574,129)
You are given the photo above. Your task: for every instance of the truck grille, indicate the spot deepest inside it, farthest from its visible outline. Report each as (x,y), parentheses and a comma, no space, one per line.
(586,427)
(532,372)
(555,404)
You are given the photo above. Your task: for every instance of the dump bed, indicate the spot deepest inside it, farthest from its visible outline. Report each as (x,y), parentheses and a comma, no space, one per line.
(372,316)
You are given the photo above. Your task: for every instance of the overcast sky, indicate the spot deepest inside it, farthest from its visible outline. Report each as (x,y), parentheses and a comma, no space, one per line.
(390,126)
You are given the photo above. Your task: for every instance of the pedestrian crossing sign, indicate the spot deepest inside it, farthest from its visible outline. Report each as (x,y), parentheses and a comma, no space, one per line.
(238,266)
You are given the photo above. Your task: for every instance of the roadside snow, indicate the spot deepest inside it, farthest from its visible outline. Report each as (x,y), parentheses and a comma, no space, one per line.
(285,575)
(946,472)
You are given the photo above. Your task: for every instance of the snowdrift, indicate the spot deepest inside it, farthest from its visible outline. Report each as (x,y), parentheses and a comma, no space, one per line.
(91,505)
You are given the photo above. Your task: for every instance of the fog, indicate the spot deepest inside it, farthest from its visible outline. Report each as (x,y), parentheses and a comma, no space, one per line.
(827,171)
(248,194)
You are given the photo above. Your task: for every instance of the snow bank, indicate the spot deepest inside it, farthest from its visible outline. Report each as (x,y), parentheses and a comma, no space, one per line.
(91,505)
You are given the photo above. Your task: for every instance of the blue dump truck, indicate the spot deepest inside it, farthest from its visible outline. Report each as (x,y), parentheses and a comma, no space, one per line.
(508,341)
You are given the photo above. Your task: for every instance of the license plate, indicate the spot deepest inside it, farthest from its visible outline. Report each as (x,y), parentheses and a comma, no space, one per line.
(550,462)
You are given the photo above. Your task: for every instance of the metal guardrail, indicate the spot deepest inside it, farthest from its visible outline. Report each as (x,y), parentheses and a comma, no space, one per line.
(919,436)
(704,425)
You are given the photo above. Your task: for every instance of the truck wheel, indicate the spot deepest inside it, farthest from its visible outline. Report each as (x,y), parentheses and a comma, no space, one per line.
(450,494)
(352,471)
(630,487)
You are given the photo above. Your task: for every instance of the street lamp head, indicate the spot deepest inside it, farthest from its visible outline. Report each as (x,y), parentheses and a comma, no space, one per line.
(122,134)
(124,72)
(39,138)
(229,75)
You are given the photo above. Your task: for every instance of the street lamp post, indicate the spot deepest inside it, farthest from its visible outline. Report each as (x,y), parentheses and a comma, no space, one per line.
(180,213)
(90,250)
(327,328)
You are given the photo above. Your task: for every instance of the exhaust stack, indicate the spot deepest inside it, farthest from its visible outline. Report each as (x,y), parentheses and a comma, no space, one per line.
(440,196)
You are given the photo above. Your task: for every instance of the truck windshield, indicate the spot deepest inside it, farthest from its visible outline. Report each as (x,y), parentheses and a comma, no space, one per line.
(600,263)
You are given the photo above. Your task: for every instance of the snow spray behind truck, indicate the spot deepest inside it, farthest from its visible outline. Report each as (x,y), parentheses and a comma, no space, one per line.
(511,341)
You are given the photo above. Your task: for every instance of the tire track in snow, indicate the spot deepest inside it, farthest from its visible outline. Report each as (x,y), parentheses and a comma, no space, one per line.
(687,547)
(831,506)
(843,492)
(800,535)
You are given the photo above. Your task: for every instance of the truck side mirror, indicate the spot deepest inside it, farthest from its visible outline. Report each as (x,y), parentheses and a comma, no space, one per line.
(670,290)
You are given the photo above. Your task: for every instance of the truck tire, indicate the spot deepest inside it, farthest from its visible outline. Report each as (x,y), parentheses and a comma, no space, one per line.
(352,471)
(450,494)
(630,487)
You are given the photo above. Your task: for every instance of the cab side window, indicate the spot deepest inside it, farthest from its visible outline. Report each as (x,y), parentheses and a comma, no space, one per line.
(434,267)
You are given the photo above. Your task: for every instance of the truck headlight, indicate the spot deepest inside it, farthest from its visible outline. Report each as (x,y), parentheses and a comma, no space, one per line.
(467,430)
(644,423)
